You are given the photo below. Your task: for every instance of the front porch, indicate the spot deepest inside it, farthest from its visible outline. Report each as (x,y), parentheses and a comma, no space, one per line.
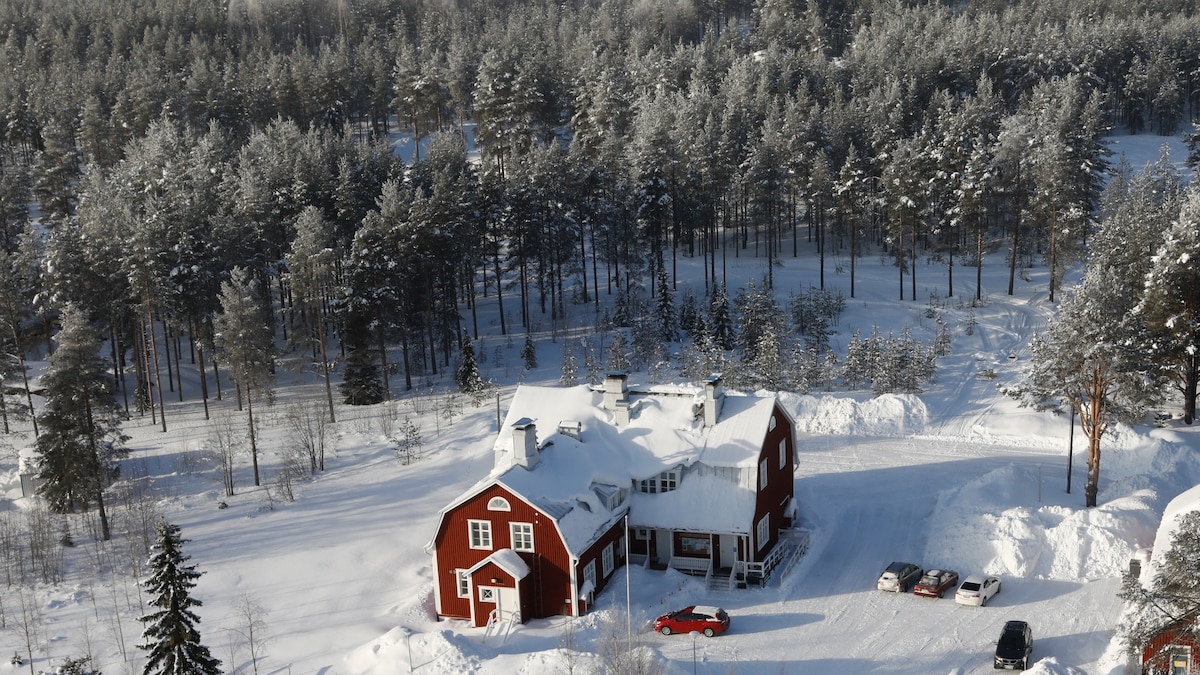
(721,559)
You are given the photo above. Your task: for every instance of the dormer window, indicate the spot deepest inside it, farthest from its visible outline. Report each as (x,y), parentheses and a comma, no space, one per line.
(663,482)
(498,504)
(610,496)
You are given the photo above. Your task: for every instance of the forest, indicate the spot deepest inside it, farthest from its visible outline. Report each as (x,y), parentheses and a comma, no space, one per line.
(167,165)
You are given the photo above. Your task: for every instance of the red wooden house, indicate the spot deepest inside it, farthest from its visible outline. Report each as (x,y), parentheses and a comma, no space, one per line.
(701,481)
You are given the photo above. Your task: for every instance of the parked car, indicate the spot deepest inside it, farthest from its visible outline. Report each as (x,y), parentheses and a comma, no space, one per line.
(936,582)
(976,590)
(700,618)
(899,577)
(1014,646)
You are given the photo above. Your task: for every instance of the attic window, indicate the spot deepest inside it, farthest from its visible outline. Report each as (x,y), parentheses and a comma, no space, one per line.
(498,504)
(663,482)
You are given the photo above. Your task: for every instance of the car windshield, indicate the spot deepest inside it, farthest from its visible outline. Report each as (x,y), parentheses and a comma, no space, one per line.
(929,580)
(1010,643)
(970,586)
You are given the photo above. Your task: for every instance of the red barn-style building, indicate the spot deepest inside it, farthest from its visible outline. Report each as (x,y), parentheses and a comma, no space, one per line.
(700,480)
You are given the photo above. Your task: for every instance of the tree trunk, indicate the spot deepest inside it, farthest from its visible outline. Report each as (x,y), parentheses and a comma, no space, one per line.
(1093,476)
(253,442)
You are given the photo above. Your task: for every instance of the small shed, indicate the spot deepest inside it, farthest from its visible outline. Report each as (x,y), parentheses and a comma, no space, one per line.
(28,470)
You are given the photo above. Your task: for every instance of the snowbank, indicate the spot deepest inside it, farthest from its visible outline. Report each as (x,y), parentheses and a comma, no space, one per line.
(886,415)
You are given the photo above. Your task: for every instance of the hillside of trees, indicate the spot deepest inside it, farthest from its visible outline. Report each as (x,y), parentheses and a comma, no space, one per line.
(150,149)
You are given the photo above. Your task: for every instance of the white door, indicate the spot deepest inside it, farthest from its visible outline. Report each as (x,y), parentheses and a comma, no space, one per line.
(729,544)
(507,601)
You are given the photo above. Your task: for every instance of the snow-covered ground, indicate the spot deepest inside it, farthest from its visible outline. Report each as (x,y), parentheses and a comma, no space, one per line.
(958,477)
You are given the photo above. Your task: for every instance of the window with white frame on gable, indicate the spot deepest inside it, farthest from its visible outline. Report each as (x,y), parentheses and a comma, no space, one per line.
(589,574)
(481,534)
(782,452)
(464,583)
(498,504)
(663,482)
(641,533)
(763,531)
(762,475)
(522,536)
(487,594)
(607,559)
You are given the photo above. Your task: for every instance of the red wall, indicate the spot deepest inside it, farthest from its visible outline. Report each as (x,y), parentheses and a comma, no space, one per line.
(1156,654)
(780,481)
(546,587)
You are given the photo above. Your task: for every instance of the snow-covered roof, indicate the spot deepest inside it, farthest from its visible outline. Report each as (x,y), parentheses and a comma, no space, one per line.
(507,560)
(665,431)
(1186,502)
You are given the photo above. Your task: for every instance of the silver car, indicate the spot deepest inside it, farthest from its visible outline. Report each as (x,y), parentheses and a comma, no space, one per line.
(899,577)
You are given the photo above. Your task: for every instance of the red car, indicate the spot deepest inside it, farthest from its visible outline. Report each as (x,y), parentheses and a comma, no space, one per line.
(700,618)
(936,582)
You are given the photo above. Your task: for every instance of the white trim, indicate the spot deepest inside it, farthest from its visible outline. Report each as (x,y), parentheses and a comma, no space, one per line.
(498,504)
(763,466)
(607,562)
(782,452)
(762,531)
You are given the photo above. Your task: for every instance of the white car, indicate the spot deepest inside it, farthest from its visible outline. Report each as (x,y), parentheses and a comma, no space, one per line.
(976,590)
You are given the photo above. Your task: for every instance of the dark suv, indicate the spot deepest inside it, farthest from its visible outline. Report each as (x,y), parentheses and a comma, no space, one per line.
(1014,647)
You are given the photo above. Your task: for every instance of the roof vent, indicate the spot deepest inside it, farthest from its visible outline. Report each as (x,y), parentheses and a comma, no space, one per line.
(572,428)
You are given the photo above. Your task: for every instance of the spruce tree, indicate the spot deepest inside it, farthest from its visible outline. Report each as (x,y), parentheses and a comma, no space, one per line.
(172,640)
(529,353)
(80,425)
(720,320)
(467,376)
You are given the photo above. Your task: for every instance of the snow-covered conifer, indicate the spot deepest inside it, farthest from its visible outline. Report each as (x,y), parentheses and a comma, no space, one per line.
(172,639)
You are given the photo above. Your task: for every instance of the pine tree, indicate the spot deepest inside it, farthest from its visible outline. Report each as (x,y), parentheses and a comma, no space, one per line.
(618,356)
(172,640)
(1091,358)
(1171,304)
(80,423)
(246,342)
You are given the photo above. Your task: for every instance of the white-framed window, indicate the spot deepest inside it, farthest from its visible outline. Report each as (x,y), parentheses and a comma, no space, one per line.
(607,559)
(621,547)
(522,536)
(641,533)
(487,594)
(498,504)
(663,482)
(481,534)
(782,452)
(589,573)
(771,424)
(763,531)
(762,474)
(464,583)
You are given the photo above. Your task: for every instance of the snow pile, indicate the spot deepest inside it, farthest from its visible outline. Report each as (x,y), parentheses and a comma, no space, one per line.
(886,415)
(1051,666)
(1033,539)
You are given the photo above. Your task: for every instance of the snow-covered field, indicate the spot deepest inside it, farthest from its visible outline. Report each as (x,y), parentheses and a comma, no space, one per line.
(958,477)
